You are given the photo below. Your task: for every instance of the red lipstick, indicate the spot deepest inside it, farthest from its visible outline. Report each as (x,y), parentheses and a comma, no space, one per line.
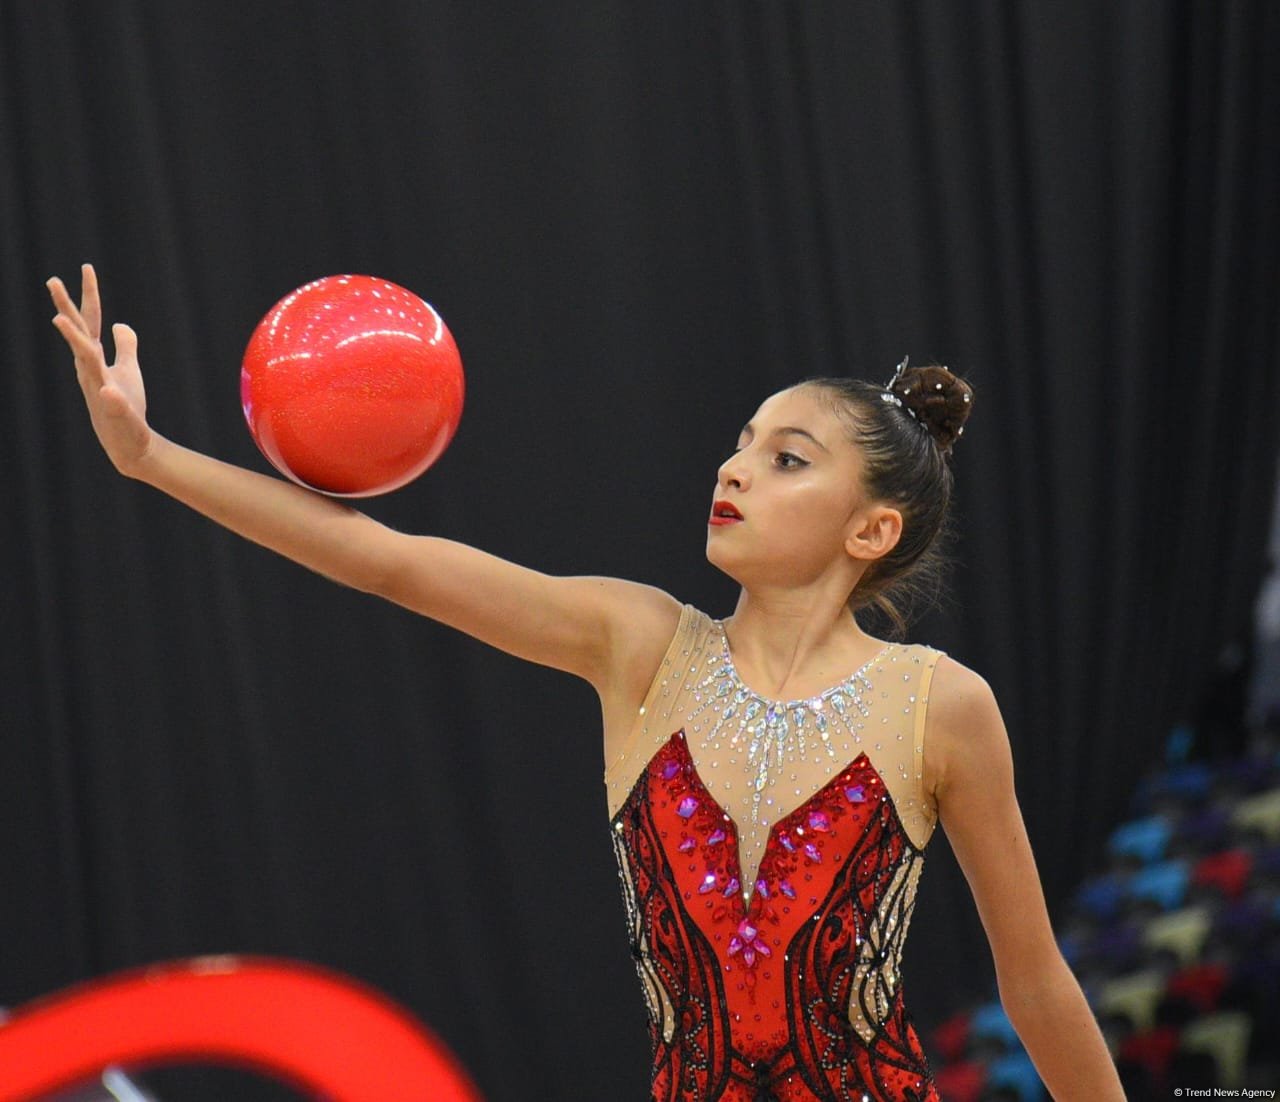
(724,512)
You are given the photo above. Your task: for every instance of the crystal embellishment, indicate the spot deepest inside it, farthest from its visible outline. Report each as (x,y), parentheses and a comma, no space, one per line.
(774,732)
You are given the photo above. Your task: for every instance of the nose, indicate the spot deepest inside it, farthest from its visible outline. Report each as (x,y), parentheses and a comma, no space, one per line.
(733,472)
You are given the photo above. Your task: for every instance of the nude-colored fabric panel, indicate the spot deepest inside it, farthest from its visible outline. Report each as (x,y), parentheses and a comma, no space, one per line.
(926,803)
(620,774)
(892,737)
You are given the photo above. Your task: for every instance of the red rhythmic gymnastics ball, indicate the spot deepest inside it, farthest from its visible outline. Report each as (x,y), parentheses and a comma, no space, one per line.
(352,385)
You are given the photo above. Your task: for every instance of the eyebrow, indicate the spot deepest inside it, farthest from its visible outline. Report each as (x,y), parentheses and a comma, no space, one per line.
(787,430)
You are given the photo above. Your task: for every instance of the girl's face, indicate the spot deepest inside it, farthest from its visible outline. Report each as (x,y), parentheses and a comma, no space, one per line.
(796,481)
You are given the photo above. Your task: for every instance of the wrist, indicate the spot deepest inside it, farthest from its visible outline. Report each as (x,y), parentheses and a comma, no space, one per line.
(148,465)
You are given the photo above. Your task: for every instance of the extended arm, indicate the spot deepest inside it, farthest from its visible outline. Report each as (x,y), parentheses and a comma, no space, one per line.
(585,625)
(979,811)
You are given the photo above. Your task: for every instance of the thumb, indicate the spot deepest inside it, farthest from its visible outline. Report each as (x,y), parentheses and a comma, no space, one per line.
(126,341)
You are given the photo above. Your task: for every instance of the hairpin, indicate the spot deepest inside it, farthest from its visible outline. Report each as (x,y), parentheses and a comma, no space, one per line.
(888,395)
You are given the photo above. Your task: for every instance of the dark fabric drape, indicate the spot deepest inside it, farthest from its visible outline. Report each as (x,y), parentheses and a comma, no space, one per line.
(638,221)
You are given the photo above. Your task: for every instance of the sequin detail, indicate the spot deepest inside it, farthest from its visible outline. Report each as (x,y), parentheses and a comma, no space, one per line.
(797,994)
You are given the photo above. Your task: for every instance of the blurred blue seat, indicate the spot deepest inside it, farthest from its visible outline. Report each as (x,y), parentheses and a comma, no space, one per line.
(990,1022)
(1143,839)
(1179,744)
(1101,897)
(1075,948)
(1164,884)
(1188,782)
(1017,1073)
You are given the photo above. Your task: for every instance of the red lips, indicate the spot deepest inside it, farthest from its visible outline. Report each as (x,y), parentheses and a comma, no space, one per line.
(724,512)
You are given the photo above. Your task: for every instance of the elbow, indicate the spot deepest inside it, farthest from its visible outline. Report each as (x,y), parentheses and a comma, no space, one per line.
(380,578)
(374,565)
(395,567)
(1031,990)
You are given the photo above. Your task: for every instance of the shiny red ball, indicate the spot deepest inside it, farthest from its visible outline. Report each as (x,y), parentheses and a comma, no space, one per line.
(352,385)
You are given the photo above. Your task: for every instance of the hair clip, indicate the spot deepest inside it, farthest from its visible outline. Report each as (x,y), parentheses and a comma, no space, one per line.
(888,395)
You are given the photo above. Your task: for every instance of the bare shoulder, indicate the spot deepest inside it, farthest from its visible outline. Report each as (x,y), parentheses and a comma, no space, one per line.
(958,694)
(963,726)
(642,621)
(645,602)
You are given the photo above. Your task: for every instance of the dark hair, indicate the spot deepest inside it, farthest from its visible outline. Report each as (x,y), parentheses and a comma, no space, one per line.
(906,430)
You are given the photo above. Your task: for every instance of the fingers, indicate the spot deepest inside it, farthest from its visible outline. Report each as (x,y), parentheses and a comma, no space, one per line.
(62,300)
(90,301)
(81,328)
(89,314)
(80,342)
(90,364)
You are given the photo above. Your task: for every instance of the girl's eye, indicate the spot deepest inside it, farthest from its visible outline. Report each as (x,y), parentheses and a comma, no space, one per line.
(790,462)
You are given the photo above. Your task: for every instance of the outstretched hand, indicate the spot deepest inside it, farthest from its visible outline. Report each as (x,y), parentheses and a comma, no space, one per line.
(114,395)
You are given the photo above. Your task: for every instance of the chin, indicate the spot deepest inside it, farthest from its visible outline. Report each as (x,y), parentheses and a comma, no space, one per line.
(744,572)
(722,562)
(783,570)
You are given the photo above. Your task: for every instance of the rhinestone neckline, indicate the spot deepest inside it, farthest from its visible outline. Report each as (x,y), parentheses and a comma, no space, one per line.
(776,730)
(727,662)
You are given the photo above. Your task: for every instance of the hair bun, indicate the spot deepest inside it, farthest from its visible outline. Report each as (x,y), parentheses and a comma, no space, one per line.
(937,398)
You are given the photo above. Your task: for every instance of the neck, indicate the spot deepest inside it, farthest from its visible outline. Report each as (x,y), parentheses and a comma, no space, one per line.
(792,643)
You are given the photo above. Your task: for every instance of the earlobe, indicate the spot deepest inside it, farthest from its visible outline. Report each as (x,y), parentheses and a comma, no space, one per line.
(877,535)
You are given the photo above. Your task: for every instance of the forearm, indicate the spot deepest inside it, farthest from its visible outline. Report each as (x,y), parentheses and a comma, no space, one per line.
(1061,1035)
(316,531)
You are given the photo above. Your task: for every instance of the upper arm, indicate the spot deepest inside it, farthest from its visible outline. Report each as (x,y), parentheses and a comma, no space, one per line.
(979,811)
(584,625)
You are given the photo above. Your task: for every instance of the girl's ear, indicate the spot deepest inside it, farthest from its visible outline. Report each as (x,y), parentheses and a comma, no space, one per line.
(875,533)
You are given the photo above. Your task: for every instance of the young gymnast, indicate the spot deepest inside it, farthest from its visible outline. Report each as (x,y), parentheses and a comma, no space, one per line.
(773,777)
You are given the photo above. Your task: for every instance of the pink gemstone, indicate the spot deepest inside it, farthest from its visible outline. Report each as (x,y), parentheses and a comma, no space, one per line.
(748,931)
(786,889)
(715,837)
(735,945)
(762,889)
(670,770)
(708,883)
(818,821)
(787,843)
(731,887)
(855,794)
(811,851)
(687,807)
(749,956)
(687,845)
(762,948)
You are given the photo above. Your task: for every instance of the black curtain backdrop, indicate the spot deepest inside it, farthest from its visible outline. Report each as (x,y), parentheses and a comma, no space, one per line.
(639,221)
